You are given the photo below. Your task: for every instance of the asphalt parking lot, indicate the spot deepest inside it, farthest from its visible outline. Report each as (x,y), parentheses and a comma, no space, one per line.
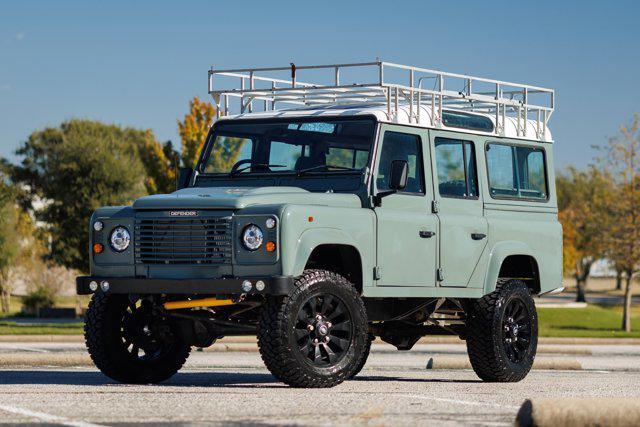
(233,388)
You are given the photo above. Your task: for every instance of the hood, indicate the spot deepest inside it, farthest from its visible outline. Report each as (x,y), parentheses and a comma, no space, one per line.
(242,197)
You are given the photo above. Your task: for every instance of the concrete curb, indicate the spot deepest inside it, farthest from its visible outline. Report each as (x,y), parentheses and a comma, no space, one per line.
(578,412)
(425,340)
(44,360)
(231,347)
(377,348)
(42,338)
(555,364)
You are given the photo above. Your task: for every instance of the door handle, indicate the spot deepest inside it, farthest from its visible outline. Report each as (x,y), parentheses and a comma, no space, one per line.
(427,234)
(478,236)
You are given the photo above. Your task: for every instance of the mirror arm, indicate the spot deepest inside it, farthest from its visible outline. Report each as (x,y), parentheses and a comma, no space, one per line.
(377,199)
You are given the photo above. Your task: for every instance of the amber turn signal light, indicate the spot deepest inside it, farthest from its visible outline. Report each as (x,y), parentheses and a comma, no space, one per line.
(98,248)
(271,246)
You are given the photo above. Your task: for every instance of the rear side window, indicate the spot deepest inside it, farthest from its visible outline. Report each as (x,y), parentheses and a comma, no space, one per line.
(516,172)
(456,167)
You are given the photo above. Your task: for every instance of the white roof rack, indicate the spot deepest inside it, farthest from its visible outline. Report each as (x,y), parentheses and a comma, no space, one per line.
(385,83)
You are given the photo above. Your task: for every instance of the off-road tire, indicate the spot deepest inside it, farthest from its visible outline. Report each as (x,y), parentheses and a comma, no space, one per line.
(104,343)
(367,350)
(277,342)
(485,335)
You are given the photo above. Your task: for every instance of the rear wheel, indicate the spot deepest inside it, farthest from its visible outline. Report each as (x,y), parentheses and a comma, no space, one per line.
(131,344)
(315,337)
(502,333)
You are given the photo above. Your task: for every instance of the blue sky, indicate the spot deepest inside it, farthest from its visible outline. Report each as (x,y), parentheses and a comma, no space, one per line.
(139,63)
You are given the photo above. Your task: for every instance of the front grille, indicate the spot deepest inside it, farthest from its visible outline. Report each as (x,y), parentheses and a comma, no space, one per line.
(183,240)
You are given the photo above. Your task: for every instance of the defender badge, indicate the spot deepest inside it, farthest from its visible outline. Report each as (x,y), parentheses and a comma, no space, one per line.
(183,213)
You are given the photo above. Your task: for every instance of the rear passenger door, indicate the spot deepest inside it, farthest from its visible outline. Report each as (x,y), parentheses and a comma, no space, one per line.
(458,205)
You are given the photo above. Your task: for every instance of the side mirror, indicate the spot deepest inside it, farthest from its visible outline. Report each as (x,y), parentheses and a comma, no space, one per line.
(398,175)
(183,178)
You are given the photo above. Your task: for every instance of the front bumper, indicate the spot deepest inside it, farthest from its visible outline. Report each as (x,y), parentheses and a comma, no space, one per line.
(274,285)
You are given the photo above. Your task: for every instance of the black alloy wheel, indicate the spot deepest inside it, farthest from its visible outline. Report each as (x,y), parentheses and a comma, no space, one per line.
(516,330)
(323,329)
(144,336)
(317,335)
(131,343)
(502,332)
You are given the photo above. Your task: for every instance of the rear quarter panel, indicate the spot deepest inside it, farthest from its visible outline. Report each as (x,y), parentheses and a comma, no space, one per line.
(522,227)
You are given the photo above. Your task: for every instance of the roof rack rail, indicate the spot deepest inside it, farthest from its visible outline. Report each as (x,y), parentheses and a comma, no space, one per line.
(389,84)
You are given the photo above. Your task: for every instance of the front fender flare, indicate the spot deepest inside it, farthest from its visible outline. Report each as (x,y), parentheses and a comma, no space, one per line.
(499,252)
(311,239)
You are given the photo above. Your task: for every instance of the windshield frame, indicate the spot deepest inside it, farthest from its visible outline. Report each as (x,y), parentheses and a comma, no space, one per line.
(213,134)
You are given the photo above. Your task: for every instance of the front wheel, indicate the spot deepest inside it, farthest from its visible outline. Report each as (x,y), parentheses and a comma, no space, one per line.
(131,344)
(363,361)
(502,333)
(317,335)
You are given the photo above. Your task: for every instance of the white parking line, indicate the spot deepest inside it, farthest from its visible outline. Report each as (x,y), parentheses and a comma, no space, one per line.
(33,350)
(45,417)
(461,402)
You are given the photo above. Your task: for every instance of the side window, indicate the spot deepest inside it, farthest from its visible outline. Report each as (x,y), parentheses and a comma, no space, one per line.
(401,146)
(516,172)
(456,167)
(531,173)
(501,169)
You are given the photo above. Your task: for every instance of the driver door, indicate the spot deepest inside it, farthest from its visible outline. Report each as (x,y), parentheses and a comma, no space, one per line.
(407,241)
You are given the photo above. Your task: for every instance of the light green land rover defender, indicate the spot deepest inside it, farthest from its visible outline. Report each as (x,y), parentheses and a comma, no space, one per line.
(329,213)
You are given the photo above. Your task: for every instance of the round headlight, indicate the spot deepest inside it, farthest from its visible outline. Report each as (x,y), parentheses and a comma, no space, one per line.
(252,237)
(120,239)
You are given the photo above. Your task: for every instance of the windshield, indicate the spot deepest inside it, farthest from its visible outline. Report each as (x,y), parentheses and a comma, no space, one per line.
(238,148)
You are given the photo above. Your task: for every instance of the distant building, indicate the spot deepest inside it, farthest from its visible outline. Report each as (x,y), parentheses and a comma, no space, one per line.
(603,268)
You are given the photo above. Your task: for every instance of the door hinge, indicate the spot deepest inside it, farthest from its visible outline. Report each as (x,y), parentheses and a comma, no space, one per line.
(439,275)
(434,206)
(376,273)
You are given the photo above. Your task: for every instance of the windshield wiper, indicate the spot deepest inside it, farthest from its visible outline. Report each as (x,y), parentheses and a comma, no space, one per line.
(326,167)
(253,165)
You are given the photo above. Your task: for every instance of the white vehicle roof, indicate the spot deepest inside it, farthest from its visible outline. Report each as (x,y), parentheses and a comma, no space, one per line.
(392,93)
(510,128)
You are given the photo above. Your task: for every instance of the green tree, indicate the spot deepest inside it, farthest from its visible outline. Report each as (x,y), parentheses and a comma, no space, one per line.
(582,206)
(621,161)
(193,130)
(160,162)
(9,240)
(71,170)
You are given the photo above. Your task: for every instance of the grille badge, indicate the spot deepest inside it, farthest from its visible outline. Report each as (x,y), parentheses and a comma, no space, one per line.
(183,213)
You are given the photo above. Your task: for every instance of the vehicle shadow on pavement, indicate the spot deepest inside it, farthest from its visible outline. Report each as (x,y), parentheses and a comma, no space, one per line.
(184,379)
(414,380)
